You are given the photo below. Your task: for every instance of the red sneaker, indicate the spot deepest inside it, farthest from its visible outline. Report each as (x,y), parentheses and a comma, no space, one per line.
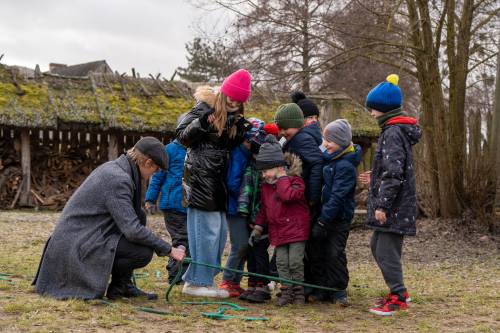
(382,301)
(392,305)
(234,289)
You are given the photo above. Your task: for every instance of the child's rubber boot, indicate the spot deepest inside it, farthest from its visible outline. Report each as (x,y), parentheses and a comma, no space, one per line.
(298,295)
(286,296)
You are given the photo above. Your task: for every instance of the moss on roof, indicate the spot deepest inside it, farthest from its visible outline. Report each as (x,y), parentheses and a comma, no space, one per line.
(110,101)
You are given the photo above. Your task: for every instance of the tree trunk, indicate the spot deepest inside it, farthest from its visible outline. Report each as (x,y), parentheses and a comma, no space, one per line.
(496,138)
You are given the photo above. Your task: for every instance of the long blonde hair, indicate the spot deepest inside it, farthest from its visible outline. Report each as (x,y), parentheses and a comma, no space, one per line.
(220,122)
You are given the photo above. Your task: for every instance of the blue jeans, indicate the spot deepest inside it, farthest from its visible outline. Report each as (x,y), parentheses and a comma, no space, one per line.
(207,233)
(238,234)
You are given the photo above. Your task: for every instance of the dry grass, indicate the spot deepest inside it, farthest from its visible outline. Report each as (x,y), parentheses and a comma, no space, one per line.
(453,278)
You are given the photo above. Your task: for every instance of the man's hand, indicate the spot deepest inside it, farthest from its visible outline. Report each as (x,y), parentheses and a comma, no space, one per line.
(177,253)
(380,216)
(365,177)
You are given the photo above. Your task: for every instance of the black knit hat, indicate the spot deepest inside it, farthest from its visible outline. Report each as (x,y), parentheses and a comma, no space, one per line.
(270,154)
(154,149)
(308,107)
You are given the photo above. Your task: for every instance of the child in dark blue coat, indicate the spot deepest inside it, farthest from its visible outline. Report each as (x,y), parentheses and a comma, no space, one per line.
(169,183)
(331,230)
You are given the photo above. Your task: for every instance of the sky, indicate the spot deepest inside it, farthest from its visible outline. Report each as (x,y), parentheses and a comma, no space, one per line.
(149,35)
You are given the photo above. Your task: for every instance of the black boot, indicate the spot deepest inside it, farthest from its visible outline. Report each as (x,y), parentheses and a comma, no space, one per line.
(133,291)
(261,294)
(126,289)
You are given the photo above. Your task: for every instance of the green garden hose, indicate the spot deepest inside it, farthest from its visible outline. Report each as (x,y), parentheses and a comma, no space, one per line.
(272,278)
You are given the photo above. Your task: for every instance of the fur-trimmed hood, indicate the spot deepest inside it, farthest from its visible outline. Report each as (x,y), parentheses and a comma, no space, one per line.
(206,94)
(294,164)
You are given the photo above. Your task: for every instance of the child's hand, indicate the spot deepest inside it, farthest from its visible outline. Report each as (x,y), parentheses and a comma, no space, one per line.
(365,177)
(380,216)
(149,207)
(281,173)
(258,230)
(177,253)
(211,118)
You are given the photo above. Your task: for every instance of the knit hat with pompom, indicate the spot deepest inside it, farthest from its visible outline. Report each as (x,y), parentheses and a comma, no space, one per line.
(386,96)
(308,107)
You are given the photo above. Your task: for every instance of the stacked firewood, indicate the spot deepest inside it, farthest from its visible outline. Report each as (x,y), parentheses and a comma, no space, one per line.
(54,176)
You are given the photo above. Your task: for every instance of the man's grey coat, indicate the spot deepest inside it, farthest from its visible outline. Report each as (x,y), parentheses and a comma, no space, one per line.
(78,257)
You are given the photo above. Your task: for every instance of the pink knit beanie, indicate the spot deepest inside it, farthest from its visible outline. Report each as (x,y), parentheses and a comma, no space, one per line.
(237,86)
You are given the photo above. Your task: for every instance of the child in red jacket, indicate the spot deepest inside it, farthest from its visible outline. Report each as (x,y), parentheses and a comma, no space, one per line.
(285,212)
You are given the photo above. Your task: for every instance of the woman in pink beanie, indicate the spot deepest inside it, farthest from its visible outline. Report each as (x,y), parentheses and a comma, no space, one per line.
(213,127)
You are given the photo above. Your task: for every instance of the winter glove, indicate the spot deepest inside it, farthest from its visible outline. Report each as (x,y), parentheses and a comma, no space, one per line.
(242,124)
(319,231)
(255,237)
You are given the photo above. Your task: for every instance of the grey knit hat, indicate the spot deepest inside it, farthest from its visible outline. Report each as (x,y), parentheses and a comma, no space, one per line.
(270,154)
(338,131)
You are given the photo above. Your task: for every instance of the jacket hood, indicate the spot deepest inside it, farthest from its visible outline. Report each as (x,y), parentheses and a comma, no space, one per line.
(313,130)
(412,132)
(354,157)
(294,164)
(206,94)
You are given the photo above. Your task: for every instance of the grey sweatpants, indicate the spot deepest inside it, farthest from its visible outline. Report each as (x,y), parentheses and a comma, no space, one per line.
(386,249)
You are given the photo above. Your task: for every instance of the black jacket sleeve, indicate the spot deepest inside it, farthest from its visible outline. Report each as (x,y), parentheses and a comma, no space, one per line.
(194,126)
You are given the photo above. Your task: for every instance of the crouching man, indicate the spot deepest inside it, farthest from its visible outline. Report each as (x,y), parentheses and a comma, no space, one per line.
(102,231)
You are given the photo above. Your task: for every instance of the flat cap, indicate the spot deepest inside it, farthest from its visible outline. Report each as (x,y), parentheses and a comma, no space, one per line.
(154,149)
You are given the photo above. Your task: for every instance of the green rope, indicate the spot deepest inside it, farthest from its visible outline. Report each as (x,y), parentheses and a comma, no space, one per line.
(232,306)
(272,278)
(145,309)
(221,311)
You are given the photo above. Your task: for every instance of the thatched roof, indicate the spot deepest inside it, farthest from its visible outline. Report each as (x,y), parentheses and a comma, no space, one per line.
(100,66)
(110,101)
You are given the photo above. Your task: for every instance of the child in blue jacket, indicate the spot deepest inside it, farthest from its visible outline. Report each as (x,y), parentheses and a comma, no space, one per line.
(331,230)
(237,224)
(169,183)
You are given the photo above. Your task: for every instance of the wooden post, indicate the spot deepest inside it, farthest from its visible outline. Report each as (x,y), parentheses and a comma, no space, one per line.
(25,197)
(112,147)
(329,112)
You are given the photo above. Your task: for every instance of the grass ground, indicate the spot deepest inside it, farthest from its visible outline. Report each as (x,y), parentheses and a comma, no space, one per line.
(453,276)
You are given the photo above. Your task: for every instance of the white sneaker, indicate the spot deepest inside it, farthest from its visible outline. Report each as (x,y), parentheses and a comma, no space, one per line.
(221,293)
(197,291)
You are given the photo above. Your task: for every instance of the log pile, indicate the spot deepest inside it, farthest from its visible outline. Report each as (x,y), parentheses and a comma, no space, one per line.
(54,176)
